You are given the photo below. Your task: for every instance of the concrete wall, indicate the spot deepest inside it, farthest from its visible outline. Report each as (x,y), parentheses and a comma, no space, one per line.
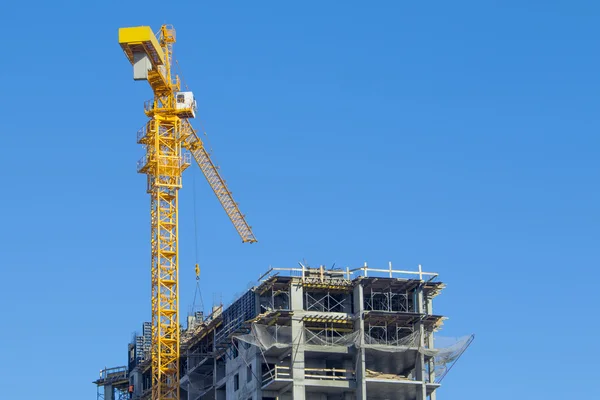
(248,381)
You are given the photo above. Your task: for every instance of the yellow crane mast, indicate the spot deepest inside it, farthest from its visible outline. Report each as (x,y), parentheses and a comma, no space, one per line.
(169,139)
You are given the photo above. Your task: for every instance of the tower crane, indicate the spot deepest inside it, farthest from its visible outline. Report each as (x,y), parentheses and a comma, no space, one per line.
(170,141)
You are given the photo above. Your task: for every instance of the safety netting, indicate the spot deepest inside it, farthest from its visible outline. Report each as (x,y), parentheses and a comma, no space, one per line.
(446,352)
(267,337)
(395,343)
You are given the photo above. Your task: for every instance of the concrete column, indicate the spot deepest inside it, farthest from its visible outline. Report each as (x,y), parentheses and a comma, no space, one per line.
(136,378)
(430,344)
(109,393)
(297,306)
(256,368)
(215,367)
(420,364)
(361,384)
(429,306)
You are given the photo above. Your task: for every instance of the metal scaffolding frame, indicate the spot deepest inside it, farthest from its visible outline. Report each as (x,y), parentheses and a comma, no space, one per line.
(324,301)
(328,334)
(118,394)
(275,299)
(197,353)
(386,300)
(385,332)
(117,379)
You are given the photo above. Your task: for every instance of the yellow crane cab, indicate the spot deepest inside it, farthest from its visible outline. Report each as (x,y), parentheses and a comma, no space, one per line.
(185,104)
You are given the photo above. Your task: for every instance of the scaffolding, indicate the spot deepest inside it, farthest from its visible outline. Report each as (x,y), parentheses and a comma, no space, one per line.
(330,335)
(113,384)
(274,295)
(324,301)
(386,300)
(389,334)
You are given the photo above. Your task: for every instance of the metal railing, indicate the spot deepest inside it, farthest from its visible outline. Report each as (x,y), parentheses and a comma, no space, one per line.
(179,107)
(141,134)
(108,375)
(184,162)
(149,105)
(278,372)
(142,163)
(392,273)
(331,374)
(347,273)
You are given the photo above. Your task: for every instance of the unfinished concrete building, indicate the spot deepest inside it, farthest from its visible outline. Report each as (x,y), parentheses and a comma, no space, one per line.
(314,333)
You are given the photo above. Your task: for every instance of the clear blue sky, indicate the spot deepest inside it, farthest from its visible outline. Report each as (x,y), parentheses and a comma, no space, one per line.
(459,135)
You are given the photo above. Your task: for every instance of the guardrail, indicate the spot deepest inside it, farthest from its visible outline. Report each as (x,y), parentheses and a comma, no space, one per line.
(109,375)
(347,273)
(278,372)
(184,162)
(331,374)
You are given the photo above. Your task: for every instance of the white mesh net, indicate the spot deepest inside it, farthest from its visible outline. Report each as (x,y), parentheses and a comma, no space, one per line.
(402,343)
(447,349)
(329,337)
(268,337)
(446,352)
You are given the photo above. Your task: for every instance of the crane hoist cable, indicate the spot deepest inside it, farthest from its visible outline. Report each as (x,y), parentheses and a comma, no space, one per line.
(197,292)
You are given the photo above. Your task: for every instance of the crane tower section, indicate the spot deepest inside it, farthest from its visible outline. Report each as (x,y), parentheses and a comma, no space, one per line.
(169,141)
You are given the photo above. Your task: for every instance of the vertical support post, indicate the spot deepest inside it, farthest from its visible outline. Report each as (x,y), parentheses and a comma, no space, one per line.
(297,306)
(109,392)
(361,385)
(420,364)
(99,393)
(272,300)
(431,344)
(137,378)
(385,331)
(215,366)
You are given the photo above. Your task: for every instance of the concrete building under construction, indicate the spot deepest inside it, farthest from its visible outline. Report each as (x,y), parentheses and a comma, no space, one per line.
(308,333)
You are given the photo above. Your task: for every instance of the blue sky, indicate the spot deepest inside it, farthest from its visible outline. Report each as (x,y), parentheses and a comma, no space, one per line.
(460,135)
